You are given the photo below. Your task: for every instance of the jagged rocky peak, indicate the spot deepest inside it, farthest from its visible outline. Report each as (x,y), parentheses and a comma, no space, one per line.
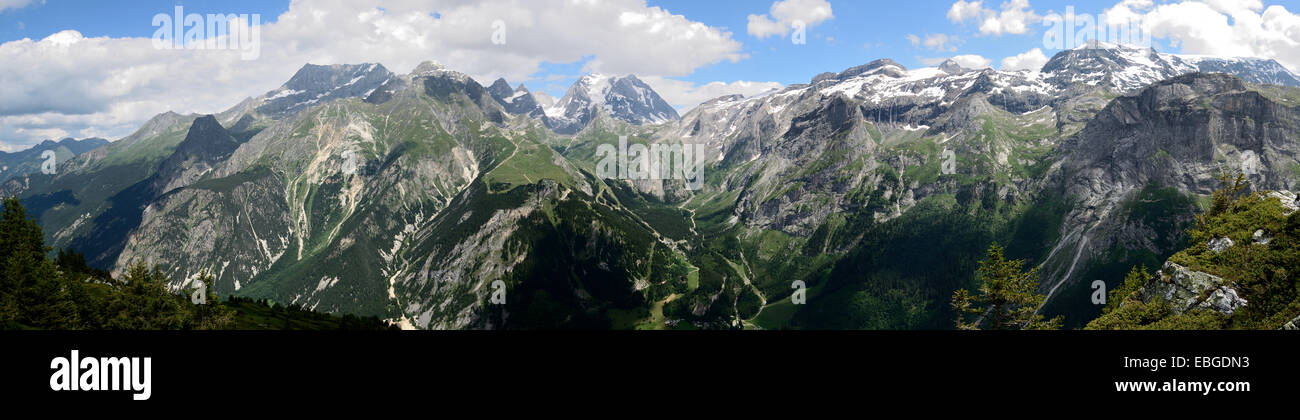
(501,89)
(205,145)
(625,98)
(1176,93)
(207,134)
(324,78)
(515,101)
(205,124)
(314,84)
(635,101)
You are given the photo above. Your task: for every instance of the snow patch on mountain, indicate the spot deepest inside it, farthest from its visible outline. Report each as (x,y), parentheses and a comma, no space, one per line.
(625,98)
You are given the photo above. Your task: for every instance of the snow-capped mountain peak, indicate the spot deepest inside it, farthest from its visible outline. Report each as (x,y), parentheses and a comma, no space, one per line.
(1123,67)
(625,98)
(314,84)
(1127,68)
(952,67)
(516,101)
(1250,69)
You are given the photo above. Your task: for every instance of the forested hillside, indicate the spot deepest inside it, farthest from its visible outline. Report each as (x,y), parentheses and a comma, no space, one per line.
(64,293)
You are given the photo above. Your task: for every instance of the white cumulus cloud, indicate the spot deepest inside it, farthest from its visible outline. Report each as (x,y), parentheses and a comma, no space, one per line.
(15,4)
(962,11)
(1029,60)
(936,42)
(785,13)
(1014,16)
(972,61)
(1233,28)
(685,95)
(106,86)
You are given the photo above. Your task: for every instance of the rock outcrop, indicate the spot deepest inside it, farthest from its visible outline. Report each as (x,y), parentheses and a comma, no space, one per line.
(1186,290)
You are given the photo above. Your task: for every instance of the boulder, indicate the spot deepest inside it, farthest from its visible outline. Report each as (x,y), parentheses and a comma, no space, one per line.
(1186,289)
(1288,200)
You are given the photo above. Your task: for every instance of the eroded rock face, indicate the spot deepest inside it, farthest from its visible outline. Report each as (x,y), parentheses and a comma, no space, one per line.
(1178,133)
(1186,290)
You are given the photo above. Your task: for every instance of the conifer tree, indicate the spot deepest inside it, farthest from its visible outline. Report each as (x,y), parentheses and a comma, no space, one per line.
(1007,298)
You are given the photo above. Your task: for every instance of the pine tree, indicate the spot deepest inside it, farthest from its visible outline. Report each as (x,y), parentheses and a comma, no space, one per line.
(1222,200)
(32,293)
(211,315)
(144,303)
(1007,298)
(1133,282)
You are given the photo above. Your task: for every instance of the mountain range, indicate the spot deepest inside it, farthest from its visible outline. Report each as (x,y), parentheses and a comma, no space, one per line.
(30,160)
(419,197)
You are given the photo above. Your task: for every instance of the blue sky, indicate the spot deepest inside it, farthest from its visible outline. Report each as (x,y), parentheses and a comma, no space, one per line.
(727,53)
(114,18)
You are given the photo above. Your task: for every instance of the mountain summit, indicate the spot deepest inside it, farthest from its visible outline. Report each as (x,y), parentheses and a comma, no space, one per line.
(1130,68)
(28,161)
(625,98)
(314,84)
(515,101)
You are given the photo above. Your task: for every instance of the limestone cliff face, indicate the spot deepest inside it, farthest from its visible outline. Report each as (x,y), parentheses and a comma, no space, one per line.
(1179,133)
